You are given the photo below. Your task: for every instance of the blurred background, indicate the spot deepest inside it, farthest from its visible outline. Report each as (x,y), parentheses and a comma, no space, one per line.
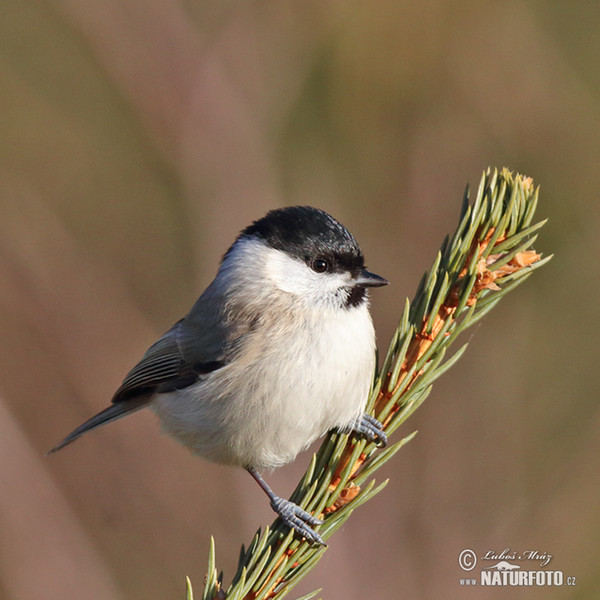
(137,138)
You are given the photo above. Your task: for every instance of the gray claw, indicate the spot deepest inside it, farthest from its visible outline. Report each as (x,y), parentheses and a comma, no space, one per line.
(371,429)
(298,519)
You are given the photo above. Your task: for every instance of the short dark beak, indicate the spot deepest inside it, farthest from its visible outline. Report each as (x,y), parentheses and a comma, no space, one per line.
(368,279)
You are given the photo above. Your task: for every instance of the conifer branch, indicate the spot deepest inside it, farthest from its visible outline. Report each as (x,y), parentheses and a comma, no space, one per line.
(488,255)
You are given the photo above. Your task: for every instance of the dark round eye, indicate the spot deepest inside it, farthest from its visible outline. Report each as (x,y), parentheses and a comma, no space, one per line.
(319,265)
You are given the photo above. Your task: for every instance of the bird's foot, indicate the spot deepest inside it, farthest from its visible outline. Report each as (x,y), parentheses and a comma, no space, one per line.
(298,519)
(371,429)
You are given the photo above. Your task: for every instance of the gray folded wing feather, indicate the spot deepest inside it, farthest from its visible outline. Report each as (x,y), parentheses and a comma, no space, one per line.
(195,346)
(178,359)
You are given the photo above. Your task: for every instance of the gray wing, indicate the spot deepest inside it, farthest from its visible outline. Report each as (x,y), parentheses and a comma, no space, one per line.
(195,346)
(178,359)
(175,361)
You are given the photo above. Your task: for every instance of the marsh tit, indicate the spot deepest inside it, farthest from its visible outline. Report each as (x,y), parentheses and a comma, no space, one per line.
(278,350)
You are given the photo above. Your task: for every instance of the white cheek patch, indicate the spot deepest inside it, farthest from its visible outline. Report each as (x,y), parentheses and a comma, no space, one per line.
(296,277)
(288,274)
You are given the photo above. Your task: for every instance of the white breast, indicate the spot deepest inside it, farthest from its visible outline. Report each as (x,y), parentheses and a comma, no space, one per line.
(256,412)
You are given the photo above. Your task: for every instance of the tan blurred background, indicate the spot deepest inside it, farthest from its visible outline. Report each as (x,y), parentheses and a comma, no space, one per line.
(137,138)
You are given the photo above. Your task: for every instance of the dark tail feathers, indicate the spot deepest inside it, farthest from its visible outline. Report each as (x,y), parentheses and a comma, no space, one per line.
(112,413)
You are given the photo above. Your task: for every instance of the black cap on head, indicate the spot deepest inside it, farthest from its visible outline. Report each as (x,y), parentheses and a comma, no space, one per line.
(308,233)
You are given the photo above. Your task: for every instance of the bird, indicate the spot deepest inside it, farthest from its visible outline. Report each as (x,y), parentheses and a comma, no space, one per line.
(277,351)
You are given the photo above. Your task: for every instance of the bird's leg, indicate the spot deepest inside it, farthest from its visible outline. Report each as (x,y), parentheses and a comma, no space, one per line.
(371,429)
(291,514)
